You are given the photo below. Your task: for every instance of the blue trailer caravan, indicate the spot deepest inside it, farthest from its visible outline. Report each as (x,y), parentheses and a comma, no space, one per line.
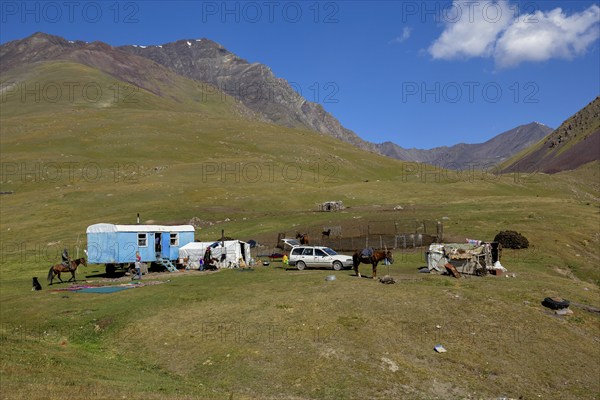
(116,245)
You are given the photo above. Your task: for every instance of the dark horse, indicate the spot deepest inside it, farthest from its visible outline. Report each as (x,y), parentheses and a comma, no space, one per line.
(374,259)
(303,237)
(55,270)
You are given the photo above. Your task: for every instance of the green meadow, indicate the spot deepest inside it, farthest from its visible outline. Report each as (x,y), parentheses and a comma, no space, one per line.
(273,333)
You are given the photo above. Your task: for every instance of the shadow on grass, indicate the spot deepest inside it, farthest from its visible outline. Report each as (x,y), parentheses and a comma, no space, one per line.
(117,274)
(313,269)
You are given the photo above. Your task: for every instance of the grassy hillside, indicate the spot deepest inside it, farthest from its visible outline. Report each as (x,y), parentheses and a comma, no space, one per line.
(67,86)
(271,333)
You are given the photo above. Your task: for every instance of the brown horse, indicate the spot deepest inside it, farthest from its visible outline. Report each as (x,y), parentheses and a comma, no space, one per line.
(303,237)
(374,259)
(55,270)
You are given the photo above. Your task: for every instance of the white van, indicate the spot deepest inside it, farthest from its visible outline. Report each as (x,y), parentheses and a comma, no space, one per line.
(318,256)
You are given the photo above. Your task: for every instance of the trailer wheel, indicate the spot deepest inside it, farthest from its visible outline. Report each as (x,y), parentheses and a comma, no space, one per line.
(110,269)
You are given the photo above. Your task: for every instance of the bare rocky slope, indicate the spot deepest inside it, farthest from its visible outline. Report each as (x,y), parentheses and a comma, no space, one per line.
(254,84)
(574,143)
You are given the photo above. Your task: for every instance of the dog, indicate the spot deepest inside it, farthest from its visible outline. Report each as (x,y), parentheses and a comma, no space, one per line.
(36,284)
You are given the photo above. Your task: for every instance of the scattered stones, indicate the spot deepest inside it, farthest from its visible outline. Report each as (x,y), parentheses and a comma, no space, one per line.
(564,311)
(198,223)
(391,365)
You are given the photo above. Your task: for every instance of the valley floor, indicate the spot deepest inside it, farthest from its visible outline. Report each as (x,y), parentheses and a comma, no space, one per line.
(272,333)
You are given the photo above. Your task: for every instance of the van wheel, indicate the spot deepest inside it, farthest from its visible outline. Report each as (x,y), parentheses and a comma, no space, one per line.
(300,265)
(337,266)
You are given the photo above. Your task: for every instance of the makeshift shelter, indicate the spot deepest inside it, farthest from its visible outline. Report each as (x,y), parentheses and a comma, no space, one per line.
(331,206)
(468,258)
(228,252)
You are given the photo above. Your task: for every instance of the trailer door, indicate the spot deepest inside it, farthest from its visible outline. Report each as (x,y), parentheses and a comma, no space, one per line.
(165,245)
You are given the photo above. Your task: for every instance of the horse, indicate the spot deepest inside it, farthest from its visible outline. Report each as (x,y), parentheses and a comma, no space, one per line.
(374,259)
(303,237)
(326,233)
(58,268)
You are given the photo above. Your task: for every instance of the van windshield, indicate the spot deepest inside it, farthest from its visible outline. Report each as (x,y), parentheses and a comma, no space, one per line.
(329,251)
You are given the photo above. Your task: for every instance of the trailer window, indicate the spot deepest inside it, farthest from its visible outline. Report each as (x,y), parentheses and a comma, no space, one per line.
(142,240)
(174,239)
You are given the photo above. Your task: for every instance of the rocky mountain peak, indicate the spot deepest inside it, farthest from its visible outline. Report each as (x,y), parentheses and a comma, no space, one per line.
(253,84)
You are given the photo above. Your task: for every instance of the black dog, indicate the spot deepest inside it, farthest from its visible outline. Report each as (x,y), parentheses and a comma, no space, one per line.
(36,284)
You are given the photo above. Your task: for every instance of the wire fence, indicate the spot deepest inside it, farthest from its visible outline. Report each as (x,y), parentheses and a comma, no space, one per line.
(391,235)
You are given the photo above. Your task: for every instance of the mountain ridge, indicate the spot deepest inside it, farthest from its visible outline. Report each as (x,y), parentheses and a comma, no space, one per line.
(254,84)
(299,110)
(128,68)
(260,95)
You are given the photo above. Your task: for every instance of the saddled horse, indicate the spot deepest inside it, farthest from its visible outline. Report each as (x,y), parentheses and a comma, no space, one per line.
(303,237)
(55,270)
(374,259)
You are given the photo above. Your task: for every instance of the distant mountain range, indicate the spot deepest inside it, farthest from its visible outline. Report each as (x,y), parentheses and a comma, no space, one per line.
(493,151)
(201,68)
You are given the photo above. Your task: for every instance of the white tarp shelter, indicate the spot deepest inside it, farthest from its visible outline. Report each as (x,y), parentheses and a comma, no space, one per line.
(234,250)
(436,258)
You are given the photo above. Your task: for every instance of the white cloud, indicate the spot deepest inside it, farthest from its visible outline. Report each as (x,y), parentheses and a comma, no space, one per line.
(471,30)
(512,39)
(553,35)
(405,35)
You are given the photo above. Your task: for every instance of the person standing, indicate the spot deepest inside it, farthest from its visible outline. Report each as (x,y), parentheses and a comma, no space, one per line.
(208,258)
(138,265)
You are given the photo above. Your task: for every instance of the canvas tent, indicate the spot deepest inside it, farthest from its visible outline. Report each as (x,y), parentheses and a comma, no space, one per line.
(234,250)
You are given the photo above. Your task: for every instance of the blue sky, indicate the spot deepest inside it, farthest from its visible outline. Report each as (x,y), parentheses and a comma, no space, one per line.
(420,74)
